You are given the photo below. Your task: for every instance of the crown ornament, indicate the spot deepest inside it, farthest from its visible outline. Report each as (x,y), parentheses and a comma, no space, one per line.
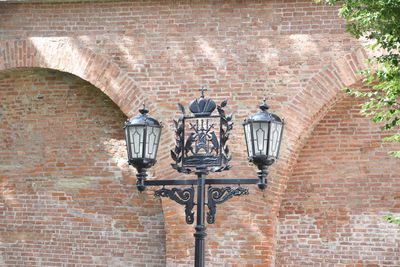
(202,106)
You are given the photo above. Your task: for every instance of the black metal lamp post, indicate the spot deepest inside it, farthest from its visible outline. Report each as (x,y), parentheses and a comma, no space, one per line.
(201,147)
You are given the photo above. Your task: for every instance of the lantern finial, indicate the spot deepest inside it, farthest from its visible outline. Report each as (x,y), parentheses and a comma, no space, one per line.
(264,105)
(143,110)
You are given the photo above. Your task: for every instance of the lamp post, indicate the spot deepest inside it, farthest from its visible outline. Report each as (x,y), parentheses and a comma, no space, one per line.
(201,147)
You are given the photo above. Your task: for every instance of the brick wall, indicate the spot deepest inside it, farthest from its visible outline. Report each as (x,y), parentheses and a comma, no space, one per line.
(66,195)
(293,52)
(342,185)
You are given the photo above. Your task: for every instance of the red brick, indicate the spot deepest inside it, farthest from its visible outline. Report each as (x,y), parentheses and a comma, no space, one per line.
(159,52)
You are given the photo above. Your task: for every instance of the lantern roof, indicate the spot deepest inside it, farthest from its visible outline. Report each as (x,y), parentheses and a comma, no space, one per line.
(264,115)
(143,119)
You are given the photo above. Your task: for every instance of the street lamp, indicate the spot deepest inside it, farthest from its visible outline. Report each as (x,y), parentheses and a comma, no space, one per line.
(142,136)
(263,134)
(201,147)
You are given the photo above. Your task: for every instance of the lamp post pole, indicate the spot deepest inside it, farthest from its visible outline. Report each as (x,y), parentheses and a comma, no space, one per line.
(200,227)
(201,147)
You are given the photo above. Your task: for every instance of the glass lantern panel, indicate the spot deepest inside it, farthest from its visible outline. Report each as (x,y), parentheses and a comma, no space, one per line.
(249,141)
(152,140)
(260,131)
(275,133)
(127,141)
(136,141)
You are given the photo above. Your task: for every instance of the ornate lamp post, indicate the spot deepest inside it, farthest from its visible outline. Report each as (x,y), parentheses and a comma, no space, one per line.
(201,147)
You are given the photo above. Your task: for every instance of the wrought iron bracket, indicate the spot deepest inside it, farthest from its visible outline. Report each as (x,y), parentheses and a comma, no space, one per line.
(193,182)
(215,195)
(181,196)
(219,196)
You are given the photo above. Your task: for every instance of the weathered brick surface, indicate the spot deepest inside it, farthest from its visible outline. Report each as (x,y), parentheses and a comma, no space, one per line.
(341,187)
(293,52)
(66,196)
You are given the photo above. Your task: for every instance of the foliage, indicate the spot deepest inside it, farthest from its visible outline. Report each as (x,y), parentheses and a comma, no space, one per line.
(379,22)
(392,219)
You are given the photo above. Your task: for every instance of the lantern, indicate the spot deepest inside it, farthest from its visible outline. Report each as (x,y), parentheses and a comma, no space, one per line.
(142,135)
(263,134)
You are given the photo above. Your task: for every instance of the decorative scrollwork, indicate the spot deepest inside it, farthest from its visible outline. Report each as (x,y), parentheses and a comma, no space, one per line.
(220,195)
(226,127)
(181,196)
(176,154)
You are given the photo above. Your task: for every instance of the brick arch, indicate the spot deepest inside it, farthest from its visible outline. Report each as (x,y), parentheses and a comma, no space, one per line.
(62,143)
(68,55)
(310,105)
(324,89)
(341,186)
(304,112)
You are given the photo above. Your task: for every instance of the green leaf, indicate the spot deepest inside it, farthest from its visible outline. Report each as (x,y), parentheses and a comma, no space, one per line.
(379,22)
(395,154)
(392,219)
(393,138)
